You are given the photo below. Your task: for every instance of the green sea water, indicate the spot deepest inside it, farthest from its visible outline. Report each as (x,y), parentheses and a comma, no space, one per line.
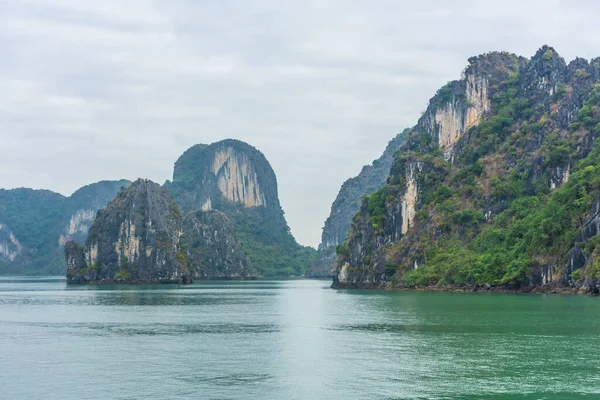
(291,339)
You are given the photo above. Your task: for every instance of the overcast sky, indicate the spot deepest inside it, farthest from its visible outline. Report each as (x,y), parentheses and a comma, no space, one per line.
(93,90)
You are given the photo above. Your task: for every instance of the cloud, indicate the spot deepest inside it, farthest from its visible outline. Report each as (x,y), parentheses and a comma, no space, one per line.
(107,90)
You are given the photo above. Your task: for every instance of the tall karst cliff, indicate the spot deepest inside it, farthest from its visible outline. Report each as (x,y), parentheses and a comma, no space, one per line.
(495,187)
(347,204)
(235,178)
(143,237)
(36,224)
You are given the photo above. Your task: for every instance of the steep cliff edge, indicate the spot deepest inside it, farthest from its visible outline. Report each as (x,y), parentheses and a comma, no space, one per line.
(235,178)
(347,204)
(495,187)
(36,224)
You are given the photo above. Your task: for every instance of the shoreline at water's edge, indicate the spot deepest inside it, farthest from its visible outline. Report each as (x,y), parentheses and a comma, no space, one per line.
(545,289)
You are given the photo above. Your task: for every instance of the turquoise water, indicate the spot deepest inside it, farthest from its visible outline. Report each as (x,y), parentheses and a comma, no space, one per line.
(291,339)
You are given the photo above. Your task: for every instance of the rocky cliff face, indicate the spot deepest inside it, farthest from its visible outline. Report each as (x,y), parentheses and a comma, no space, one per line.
(212,249)
(77,271)
(385,218)
(235,178)
(494,187)
(36,224)
(79,224)
(10,247)
(462,104)
(227,172)
(134,239)
(347,204)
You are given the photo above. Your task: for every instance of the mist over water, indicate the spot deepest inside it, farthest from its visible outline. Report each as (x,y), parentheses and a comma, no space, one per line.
(290,339)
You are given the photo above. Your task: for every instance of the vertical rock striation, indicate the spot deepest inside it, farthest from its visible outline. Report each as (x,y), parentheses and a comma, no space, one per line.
(384,219)
(462,104)
(10,247)
(227,172)
(236,179)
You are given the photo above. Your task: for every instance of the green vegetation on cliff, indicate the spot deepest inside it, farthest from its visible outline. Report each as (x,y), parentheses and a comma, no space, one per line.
(35,224)
(513,200)
(347,203)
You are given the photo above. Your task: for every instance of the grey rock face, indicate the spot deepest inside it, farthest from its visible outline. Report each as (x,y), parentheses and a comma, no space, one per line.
(575,260)
(463,104)
(212,176)
(76,267)
(347,204)
(212,249)
(591,226)
(357,264)
(362,262)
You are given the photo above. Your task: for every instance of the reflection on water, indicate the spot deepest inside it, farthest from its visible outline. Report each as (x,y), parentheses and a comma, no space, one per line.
(228,380)
(292,339)
(125,329)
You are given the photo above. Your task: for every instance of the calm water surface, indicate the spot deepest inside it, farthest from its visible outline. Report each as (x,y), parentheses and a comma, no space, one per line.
(294,339)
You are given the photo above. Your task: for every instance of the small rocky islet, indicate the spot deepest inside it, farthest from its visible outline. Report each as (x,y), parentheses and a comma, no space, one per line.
(143,237)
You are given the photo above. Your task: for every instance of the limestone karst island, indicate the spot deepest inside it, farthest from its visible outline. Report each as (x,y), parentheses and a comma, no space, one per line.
(463,262)
(494,188)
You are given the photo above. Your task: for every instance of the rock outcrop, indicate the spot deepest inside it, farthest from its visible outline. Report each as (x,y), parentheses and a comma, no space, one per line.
(36,224)
(134,239)
(462,104)
(77,271)
(385,218)
(228,172)
(10,247)
(347,204)
(235,178)
(143,237)
(495,187)
(212,249)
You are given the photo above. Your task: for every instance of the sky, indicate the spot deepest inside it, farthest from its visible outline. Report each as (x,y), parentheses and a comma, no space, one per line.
(95,90)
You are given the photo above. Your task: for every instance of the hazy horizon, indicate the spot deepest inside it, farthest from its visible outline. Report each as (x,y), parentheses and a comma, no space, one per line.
(106,91)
